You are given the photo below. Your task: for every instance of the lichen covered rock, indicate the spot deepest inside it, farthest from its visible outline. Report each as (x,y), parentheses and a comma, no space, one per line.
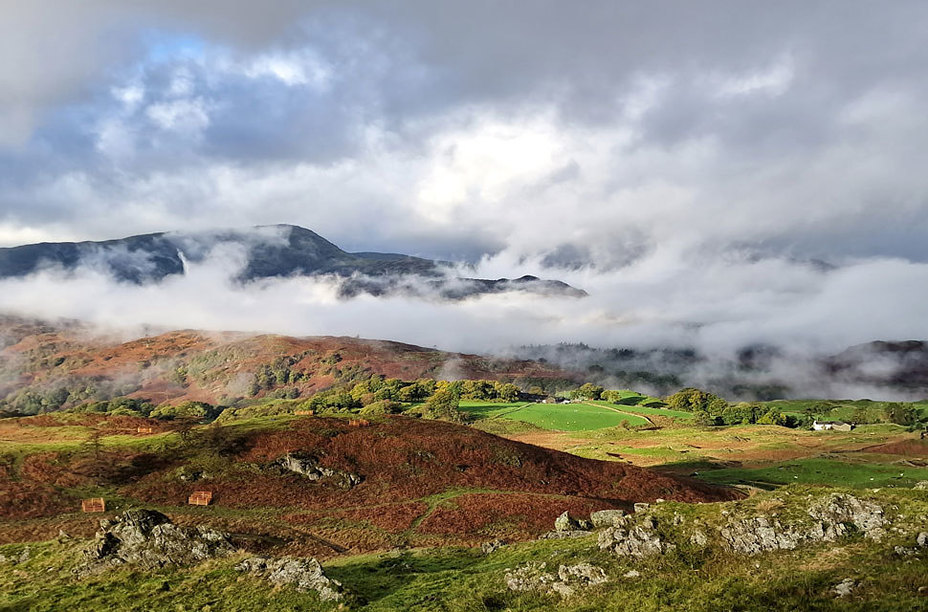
(150,540)
(302,574)
(638,541)
(565,582)
(607,518)
(308,466)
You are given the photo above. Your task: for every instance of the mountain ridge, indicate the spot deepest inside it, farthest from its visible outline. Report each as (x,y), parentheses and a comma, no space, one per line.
(272,251)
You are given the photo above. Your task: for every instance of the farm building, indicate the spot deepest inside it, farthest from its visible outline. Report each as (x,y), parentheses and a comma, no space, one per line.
(832,426)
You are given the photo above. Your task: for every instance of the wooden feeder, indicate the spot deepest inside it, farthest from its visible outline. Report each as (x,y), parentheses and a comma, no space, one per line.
(143,430)
(200,498)
(94,504)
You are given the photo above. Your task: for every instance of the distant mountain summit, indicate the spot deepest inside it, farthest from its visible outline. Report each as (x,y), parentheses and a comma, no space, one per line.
(274,251)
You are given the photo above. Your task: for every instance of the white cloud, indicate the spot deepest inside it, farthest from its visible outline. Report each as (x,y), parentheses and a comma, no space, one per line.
(293,69)
(773,80)
(186,116)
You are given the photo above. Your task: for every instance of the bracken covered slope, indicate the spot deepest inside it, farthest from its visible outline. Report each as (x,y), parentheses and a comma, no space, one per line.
(45,367)
(412,482)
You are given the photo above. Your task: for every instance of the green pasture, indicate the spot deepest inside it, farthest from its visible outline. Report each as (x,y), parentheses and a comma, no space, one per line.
(856,472)
(648,411)
(559,417)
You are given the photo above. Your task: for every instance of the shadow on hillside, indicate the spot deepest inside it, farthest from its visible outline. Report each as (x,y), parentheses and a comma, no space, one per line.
(694,468)
(719,473)
(379,578)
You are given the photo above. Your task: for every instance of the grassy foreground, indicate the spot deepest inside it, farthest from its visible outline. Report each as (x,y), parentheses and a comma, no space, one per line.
(454,578)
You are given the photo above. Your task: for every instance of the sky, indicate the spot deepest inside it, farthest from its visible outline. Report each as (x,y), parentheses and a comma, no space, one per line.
(720,172)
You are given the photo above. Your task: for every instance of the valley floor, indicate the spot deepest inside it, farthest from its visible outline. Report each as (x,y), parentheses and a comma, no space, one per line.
(418,548)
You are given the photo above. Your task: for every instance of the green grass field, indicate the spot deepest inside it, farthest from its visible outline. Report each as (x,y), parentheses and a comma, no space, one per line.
(648,411)
(558,417)
(854,473)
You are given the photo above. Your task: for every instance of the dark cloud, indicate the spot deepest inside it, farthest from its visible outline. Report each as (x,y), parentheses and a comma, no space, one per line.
(633,140)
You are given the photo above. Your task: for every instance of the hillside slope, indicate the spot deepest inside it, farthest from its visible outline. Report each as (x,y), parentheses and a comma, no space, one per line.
(46,367)
(311,480)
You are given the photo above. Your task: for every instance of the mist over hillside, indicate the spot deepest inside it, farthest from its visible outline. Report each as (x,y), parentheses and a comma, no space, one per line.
(880,370)
(279,251)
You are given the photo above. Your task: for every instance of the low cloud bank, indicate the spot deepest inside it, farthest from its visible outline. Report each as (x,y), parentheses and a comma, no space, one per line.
(716,304)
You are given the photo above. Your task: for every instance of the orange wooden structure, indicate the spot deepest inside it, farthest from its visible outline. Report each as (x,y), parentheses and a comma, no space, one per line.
(200,498)
(94,504)
(305,412)
(358,423)
(143,430)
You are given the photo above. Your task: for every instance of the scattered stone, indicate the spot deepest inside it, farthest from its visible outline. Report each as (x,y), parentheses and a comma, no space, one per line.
(641,507)
(150,540)
(922,539)
(607,518)
(921,485)
(491,546)
(308,466)
(530,577)
(566,582)
(632,574)
(62,536)
(187,474)
(845,587)
(302,574)
(25,555)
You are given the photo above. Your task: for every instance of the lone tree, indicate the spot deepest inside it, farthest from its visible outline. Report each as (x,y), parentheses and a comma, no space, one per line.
(443,404)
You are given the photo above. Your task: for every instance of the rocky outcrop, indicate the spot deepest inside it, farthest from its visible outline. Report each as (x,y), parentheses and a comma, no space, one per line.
(634,540)
(150,540)
(833,517)
(606,518)
(302,574)
(566,523)
(759,534)
(840,510)
(308,466)
(565,582)
(829,518)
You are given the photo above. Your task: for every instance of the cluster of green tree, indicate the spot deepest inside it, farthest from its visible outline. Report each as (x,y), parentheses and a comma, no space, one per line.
(865,412)
(588,391)
(395,391)
(710,409)
(903,414)
(277,374)
(442,404)
(187,411)
(544,386)
(68,392)
(125,406)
